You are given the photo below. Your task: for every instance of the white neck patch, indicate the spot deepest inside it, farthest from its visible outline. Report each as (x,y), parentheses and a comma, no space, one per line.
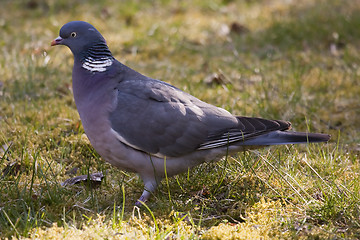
(98,65)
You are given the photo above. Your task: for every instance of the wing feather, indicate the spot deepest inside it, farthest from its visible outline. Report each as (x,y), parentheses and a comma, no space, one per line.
(157,118)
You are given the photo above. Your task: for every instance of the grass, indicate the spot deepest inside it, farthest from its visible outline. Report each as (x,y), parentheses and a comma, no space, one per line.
(280,59)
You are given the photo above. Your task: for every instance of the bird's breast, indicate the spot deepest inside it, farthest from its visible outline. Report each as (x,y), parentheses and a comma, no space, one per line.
(94,99)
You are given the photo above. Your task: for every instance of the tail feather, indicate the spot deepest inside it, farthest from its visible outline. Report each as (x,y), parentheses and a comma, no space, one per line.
(286,137)
(259,132)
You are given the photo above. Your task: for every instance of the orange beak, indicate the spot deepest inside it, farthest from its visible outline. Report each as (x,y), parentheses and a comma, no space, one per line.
(56,41)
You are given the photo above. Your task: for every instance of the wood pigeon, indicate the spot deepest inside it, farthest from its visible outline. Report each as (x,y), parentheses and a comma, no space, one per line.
(141,125)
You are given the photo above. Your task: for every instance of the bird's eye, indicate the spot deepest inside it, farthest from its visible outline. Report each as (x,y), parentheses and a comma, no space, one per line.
(73,34)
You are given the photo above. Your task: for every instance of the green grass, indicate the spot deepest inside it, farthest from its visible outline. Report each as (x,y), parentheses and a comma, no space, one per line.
(296,61)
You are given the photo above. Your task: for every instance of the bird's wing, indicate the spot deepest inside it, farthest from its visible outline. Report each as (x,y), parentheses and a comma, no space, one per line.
(159,119)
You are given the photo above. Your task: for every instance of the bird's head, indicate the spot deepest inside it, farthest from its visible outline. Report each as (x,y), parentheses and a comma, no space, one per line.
(79,36)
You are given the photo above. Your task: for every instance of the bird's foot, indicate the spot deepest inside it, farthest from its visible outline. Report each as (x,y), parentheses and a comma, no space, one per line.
(141,201)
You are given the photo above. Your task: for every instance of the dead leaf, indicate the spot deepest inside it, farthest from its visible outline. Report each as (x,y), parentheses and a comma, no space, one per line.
(95,179)
(237,28)
(216,78)
(203,193)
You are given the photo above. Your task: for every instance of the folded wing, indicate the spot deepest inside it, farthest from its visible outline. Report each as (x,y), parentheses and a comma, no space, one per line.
(157,118)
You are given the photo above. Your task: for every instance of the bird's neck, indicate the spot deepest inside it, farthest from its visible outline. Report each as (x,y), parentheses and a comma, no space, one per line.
(97,58)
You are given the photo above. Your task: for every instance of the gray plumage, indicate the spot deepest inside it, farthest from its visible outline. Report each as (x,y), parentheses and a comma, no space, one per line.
(134,121)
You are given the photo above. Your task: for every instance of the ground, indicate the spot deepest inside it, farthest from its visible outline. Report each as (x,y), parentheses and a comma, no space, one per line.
(279,59)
